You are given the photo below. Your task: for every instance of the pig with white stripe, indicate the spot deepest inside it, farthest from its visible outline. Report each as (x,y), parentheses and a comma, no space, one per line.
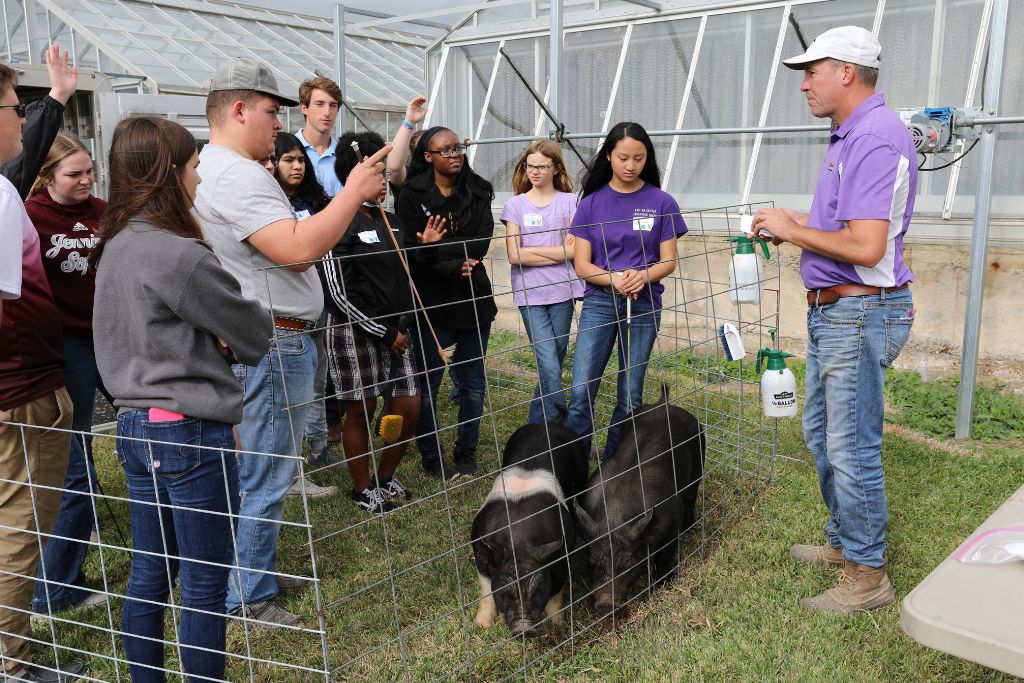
(524,530)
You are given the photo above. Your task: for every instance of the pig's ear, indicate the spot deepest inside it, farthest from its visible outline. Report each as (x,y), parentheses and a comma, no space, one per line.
(495,550)
(634,529)
(551,551)
(589,529)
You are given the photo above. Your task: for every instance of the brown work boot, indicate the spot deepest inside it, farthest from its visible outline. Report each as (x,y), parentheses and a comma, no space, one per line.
(859,588)
(821,555)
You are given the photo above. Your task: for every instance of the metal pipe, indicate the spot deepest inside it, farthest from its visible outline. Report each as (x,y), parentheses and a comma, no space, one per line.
(555,64)
(996,120)
(979,236)
(685,131)
(341,122)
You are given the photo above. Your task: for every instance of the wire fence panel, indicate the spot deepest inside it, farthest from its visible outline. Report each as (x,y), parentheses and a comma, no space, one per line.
(539,538)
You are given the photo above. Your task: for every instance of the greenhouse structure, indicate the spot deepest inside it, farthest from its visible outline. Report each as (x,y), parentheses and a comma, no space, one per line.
(138,49)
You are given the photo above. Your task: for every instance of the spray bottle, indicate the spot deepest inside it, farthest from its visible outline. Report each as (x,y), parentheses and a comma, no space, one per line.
(778,385)
(746,274)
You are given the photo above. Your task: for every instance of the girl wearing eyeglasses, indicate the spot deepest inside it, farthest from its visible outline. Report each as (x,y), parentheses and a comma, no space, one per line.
(544,284)
(454,285)
(625,229)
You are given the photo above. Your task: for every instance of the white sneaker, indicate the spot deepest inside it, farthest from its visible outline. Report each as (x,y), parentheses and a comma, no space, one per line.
(312,490)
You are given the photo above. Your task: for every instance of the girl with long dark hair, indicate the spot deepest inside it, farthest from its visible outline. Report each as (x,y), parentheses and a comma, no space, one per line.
(454,285)
(294,173)
(168,322)
(626,229)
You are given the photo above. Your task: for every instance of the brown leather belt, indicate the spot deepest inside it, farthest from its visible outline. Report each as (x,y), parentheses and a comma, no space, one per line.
(293,324)
(830,295)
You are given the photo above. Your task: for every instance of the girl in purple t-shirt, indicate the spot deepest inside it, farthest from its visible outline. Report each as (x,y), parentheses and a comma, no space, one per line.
(544,284)
(625,229)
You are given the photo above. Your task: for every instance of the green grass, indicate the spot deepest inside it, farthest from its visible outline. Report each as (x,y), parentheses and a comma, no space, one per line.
(732,615)
(930,407)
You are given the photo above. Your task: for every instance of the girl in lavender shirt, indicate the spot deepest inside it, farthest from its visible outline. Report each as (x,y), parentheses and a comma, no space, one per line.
(544,284)
(625,228)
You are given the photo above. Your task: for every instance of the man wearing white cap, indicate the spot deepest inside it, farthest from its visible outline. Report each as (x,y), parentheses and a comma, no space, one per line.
(254,230)
(860,307)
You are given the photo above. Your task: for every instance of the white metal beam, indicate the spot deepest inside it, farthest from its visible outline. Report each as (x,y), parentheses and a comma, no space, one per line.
(765,105)
(686,98)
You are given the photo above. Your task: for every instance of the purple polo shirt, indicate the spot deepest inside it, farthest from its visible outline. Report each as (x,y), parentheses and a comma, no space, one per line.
(626,229)
(868,173)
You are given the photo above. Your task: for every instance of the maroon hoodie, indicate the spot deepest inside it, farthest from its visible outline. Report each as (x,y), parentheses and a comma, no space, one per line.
(67,235)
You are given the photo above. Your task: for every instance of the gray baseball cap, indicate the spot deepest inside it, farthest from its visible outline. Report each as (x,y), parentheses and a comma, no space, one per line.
(245,73)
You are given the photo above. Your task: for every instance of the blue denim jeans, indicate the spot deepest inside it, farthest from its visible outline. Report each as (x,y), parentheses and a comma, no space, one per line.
(278,393)
(547,326)
(190,539)
(468,362)
(603,323)
(851,343)
(64,553)
(316,422)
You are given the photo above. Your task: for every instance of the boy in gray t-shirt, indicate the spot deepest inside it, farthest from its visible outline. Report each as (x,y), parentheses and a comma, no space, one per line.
(248,219)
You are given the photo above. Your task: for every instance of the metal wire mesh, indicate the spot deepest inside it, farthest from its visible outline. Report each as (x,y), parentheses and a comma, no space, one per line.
(396,596)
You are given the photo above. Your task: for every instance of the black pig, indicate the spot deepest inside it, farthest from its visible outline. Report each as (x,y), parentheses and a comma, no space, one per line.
(644,519)
(524,529)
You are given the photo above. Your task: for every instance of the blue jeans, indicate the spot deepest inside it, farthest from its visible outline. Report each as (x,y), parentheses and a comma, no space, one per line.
(316,423)
(273,421)
(62,559)
(191,537)
(468,362)
(851,343)
(547,326)
(602,323)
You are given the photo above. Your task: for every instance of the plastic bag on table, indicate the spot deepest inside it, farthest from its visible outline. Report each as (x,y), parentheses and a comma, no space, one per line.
(995,546)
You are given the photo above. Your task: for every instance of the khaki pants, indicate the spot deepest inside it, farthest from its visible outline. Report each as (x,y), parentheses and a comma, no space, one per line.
(29,458)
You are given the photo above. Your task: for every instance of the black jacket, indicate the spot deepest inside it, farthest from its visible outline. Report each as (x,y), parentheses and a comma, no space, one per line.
(43,119)
(364,281)
(436,268)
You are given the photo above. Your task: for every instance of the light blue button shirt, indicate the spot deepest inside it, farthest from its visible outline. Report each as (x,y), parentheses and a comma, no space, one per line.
(323,165)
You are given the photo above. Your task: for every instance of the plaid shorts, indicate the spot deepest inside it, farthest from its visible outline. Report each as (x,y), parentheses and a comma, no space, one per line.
(360,366)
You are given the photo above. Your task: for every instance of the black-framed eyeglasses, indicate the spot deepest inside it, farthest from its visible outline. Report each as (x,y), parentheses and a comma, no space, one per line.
(449,152)
(19,109)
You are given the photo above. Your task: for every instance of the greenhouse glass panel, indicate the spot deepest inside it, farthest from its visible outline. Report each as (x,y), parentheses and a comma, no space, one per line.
(787,164)
(592,56)
(511,111)
(733,70)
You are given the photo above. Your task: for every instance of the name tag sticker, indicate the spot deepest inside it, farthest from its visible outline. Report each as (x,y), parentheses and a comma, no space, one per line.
(368,237)
(644,224)
(301,215)
(533,220)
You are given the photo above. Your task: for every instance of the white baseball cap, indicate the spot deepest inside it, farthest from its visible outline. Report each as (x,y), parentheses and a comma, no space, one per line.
(851,44)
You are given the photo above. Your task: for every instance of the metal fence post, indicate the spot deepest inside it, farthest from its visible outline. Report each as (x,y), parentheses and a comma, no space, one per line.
(979,236)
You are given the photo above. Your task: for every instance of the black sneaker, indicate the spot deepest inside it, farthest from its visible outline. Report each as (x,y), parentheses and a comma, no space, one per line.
(433,467)
(391,488)
(372,502)
(465,462)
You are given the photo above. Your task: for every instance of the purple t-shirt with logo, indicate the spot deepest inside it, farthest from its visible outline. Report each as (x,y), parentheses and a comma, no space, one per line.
(625,230)
(868,174)
(543,226)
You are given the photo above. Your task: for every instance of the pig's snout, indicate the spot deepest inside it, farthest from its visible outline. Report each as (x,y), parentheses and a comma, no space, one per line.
(523,627)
